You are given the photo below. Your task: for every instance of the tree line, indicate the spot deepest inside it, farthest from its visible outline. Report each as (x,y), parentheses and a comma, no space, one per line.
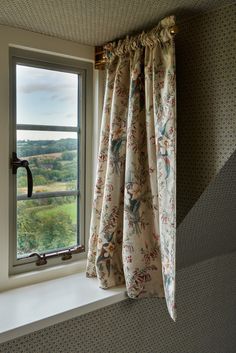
(28,148)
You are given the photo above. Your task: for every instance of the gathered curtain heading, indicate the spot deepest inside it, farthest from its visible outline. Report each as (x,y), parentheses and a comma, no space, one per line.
(160,33)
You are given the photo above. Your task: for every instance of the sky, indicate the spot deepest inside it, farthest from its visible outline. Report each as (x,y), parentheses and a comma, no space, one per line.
(45,97)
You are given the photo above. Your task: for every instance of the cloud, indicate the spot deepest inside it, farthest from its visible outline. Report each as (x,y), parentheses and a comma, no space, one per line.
(36,80)
(31,87)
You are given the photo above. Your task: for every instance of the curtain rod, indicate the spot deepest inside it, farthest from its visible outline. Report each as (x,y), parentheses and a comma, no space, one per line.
(100,59)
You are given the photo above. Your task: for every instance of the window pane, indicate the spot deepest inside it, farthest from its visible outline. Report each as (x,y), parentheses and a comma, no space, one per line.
(46,224)
(52,157)
(46,97)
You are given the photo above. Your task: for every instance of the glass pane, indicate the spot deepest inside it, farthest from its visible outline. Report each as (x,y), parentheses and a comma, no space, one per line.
(52,157)
(46,224)
(46,97)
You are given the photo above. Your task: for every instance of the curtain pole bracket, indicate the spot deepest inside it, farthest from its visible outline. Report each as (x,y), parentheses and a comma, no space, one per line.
(100,60)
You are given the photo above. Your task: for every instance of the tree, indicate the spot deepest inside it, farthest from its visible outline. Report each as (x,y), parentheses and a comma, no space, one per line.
(56,232)
(43,231)
(40,180)
(26,235)
(68,156)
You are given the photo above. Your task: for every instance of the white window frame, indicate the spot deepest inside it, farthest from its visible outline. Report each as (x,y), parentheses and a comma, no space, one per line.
(85,71)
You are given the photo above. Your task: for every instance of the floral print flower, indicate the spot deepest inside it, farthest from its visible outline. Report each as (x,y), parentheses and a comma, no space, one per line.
(165,145)
(109,249)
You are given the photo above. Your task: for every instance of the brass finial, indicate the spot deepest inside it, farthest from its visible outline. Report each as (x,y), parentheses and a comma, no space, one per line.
(174,30)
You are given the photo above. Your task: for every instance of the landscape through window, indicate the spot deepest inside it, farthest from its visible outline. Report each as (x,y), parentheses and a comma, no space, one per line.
(48,137)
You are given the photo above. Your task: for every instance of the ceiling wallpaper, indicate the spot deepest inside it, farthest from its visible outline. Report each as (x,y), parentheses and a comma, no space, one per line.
(95,22)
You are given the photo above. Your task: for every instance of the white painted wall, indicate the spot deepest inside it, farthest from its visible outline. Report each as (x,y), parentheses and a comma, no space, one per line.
(19,38)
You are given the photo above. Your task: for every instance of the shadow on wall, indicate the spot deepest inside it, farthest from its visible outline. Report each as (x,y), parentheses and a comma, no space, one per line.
(206,67)
(209,228)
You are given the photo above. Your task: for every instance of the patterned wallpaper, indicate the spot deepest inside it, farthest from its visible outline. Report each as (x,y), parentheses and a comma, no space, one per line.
(206,96)
(206,320)
(206,290)
(209,228)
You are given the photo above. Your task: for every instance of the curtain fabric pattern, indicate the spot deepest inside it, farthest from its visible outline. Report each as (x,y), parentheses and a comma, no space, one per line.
(133,223)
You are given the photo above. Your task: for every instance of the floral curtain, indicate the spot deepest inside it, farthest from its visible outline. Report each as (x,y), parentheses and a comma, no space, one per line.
(133,223)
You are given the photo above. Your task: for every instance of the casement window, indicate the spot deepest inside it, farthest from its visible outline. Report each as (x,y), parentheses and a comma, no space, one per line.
(49,100)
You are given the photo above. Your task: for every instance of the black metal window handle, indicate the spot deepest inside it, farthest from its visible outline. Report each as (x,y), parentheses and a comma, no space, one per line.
(17,163)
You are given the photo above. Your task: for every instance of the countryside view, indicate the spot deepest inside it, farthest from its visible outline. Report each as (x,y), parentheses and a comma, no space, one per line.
(45,224)
(47,97)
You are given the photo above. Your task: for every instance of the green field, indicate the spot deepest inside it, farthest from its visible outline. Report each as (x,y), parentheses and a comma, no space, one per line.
(70,209)
(46,224)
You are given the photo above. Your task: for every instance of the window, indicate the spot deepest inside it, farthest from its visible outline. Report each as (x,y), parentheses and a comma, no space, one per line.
(49,96)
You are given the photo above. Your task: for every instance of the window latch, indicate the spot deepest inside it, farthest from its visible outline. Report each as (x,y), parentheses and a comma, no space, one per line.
(65,255)
(17,163)
(41,259)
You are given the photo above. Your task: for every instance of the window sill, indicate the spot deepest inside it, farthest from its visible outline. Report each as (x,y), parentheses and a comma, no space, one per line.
(31,308)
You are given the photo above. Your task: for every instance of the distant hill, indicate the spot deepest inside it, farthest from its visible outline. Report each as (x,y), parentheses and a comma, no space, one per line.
(27,148)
